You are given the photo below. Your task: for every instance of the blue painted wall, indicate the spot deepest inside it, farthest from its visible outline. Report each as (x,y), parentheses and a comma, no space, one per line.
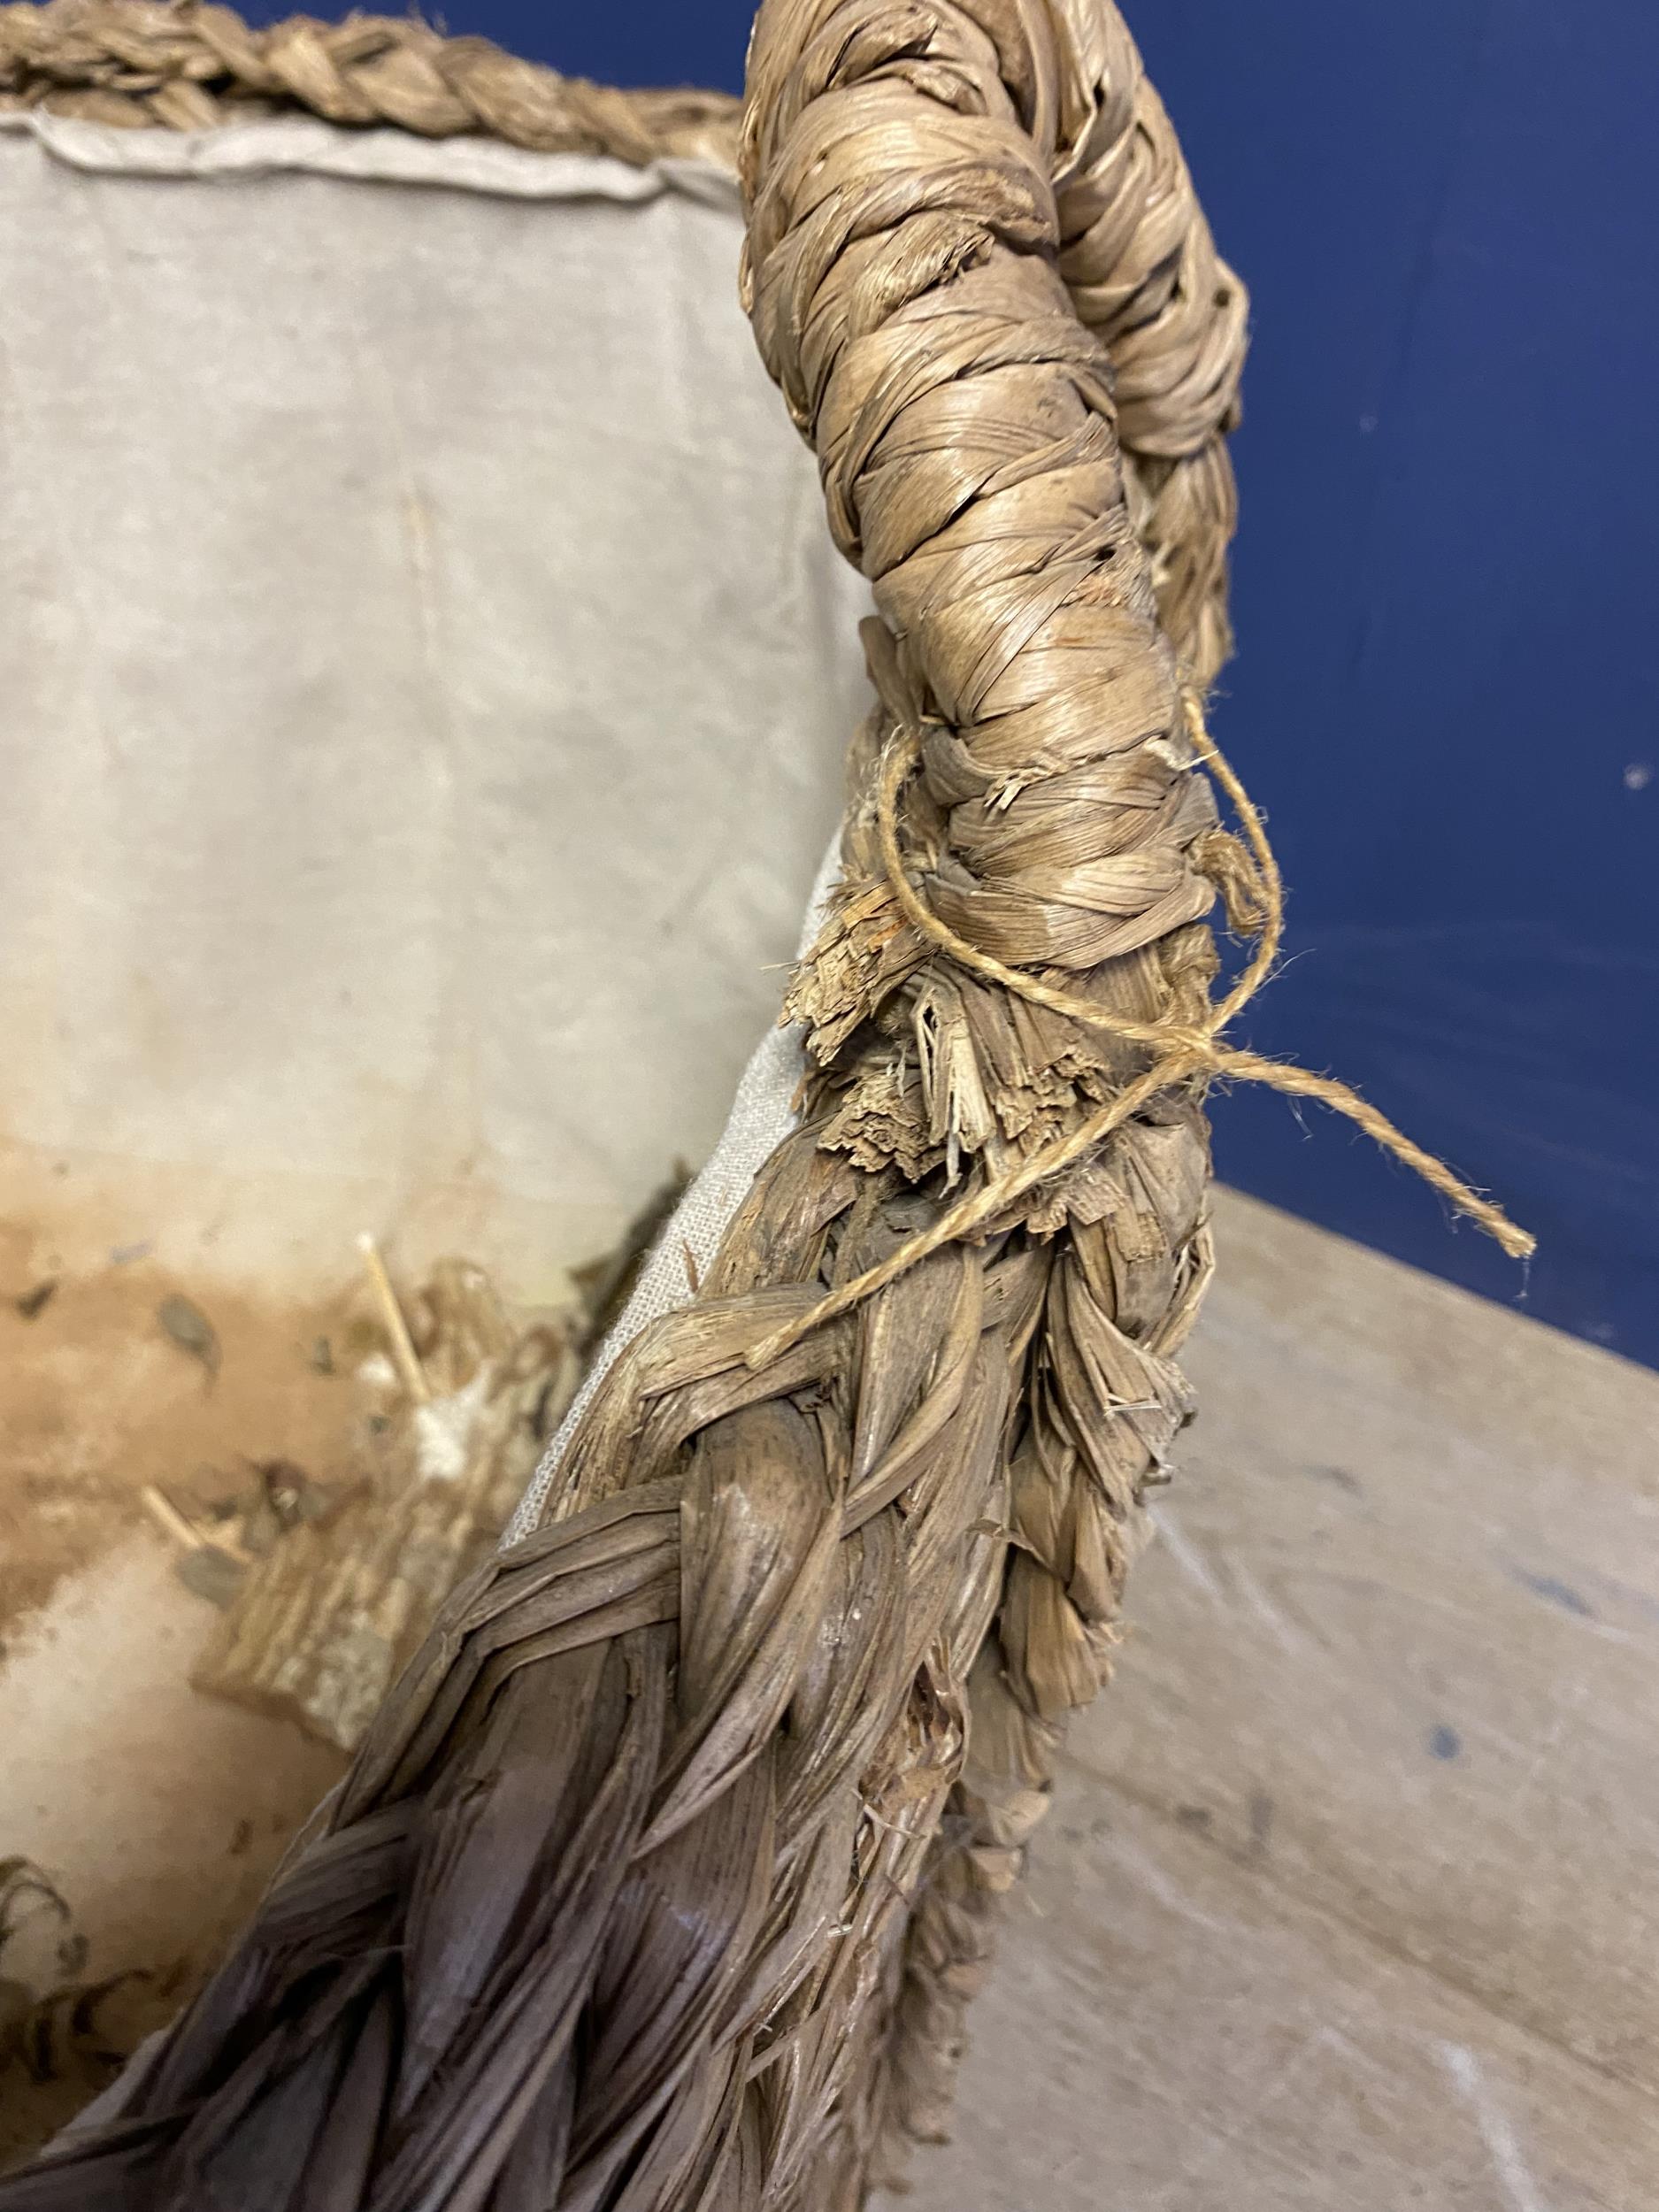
(1446,692)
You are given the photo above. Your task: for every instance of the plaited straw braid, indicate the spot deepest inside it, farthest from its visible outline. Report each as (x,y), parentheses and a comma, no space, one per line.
(664,1876)
(190,68)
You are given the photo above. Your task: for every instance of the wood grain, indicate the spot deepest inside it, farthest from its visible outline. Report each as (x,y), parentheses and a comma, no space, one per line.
(1349,1895)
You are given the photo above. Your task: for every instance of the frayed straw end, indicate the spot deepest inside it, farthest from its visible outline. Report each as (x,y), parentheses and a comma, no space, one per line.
(1185,1052)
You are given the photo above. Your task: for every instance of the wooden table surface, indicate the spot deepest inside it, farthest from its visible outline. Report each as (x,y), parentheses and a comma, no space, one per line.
(1347,1899)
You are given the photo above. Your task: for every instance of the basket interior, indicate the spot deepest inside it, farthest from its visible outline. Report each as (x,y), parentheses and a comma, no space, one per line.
(429,677)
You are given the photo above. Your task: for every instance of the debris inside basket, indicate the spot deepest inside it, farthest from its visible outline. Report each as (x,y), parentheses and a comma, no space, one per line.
(381,1450)
(189,1328)
(54,2021)
(321,1472)
(327,1584)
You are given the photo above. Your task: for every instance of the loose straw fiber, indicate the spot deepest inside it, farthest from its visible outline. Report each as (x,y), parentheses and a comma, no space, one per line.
(664,1874)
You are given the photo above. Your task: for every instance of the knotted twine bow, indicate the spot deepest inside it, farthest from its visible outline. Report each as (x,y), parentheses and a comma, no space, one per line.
(1182,1050)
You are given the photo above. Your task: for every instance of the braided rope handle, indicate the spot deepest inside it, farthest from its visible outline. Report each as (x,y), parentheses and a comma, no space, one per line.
(977,270)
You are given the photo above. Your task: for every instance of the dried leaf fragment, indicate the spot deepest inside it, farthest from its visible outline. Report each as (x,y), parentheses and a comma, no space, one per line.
(189,1328)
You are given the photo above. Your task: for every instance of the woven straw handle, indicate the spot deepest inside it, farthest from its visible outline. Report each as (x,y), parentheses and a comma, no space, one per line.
(977,269)
(955,213)
(938,196)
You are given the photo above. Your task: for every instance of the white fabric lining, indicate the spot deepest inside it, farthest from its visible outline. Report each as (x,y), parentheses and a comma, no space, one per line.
(306,145)
(428,681)
(763,1115)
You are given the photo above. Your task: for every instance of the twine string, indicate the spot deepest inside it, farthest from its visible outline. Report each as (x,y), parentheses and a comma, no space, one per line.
(1184,1049)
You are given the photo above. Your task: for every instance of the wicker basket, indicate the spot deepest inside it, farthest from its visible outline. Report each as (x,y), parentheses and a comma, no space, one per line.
(667,1872)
